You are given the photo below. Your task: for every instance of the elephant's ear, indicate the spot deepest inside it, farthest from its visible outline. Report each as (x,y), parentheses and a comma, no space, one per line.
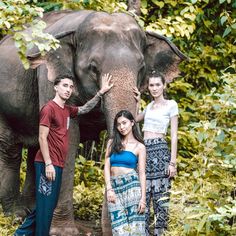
(162,55)
(56,61)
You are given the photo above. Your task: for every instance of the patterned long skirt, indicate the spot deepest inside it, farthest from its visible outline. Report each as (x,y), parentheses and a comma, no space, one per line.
(158,183)
(125,219)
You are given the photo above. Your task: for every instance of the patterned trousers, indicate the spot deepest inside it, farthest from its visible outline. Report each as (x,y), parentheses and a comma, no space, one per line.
(125,219)
(158,184)
(38,222)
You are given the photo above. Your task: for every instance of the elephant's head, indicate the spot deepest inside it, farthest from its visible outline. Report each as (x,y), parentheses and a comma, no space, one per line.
(94,43)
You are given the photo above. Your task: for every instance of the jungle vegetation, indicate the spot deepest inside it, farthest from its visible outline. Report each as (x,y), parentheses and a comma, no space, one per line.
(203,200)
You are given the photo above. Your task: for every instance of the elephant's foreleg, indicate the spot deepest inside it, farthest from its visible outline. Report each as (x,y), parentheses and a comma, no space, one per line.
(63,219)
(10,159)
(27,200)
(106,222)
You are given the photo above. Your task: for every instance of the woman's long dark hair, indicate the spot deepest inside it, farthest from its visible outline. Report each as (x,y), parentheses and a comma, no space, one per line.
(116,145)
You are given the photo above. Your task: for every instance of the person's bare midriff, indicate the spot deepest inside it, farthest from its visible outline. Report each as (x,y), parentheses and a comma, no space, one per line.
(153,135)
(117,170)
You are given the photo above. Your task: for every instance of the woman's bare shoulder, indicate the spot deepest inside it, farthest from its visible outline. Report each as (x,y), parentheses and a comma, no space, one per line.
(109,141)
(141,146)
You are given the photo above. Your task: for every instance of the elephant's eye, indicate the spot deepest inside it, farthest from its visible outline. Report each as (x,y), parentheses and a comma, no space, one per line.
(93,68)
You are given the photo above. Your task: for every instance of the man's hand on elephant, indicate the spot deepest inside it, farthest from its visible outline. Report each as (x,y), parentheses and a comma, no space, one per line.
(106,83)
(137,94)
(50,172)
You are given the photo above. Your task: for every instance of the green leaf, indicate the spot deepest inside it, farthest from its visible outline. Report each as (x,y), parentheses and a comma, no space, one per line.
(202,223)
(220,137)
(196,215)
(227,31)
(159,3)
(233,26)
(7,24)
(223,19)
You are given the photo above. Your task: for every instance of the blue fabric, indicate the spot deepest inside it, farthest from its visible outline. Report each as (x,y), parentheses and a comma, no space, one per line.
(125,219)
(124,159)
(47,192)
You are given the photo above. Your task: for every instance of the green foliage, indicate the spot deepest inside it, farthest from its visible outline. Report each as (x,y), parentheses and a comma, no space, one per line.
(97,5)
(7,225)
(23,167)
(207,199)
(15,16)
(88,189)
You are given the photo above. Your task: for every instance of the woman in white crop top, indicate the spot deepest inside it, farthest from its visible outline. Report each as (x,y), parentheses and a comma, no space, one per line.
(161,162)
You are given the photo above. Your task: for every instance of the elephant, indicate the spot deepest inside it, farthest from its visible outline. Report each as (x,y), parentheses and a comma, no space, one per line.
(92,44)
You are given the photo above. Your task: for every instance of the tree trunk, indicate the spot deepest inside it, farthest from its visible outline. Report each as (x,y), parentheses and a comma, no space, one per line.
(106,223)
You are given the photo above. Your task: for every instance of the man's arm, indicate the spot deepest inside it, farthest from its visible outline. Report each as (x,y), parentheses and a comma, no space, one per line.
(43,143)
(106,85)
(88,106)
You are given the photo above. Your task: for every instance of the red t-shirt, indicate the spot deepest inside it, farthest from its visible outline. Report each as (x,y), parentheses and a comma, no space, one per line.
(57,119)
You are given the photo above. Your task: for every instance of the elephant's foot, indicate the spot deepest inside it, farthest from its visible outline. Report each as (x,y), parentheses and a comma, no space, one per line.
(23,207)
(64,229)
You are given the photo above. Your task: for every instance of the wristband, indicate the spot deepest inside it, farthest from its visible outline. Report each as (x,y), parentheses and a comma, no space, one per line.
(99,94)
(48,164)
(110,189)
(143,202)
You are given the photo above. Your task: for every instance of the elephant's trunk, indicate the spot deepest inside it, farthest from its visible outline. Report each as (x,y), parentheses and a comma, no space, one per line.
(121,96)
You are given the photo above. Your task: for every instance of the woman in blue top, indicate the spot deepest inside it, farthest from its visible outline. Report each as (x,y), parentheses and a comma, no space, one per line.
(161,163)
(125,188)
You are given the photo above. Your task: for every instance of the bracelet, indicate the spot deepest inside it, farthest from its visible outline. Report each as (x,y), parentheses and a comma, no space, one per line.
(48,164)
(110,189)
(143,202)
(99,94)
(172,164)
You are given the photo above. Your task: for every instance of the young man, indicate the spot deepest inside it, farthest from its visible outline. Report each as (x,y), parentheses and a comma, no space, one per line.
(50,159)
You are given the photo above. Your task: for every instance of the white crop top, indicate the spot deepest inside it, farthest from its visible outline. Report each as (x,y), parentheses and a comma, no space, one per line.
(157,120)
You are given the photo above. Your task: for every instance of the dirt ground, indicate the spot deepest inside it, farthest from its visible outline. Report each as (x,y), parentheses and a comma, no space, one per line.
(89,228)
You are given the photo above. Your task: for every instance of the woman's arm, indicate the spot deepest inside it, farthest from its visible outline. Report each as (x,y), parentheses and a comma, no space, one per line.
(139,116)
(174,141)
(142,177)
(107,175)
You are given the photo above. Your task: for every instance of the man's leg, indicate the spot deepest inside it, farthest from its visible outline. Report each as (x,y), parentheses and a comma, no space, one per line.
(47,194)
(28,226)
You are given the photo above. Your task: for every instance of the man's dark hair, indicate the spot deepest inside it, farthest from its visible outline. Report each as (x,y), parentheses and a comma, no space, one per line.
(63,76)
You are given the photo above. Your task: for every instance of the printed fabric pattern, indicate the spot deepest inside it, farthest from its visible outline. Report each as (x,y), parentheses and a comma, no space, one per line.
(45,186)
(158,158)
(125,219)
(158,184)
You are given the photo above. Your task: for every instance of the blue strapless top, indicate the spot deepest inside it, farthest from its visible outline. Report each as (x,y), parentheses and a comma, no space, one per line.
(124,159)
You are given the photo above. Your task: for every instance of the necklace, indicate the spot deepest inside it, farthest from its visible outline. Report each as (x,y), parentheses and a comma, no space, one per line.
(127,142)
